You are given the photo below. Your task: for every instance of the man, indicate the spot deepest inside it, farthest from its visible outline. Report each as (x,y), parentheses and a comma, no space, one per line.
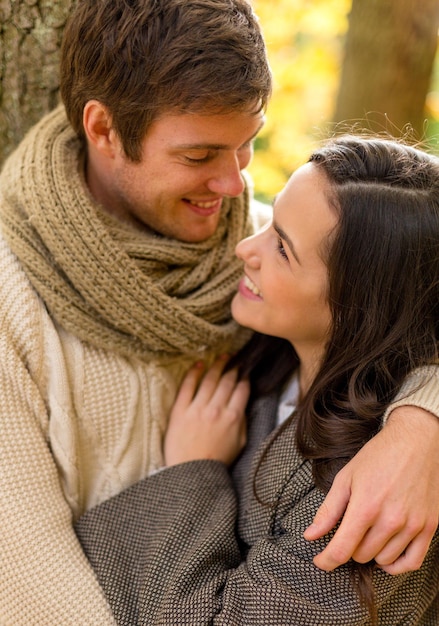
(119,218)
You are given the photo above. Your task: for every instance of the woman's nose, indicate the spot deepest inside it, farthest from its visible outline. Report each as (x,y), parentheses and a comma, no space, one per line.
(246,250)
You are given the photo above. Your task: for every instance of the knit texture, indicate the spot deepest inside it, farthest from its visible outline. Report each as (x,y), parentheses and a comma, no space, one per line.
(177,549)
(123,289)
(45,580)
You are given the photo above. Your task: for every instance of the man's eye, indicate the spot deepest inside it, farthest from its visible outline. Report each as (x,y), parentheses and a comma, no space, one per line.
(198,159)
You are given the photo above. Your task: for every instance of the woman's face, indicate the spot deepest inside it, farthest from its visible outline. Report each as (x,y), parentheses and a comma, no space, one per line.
(283,292)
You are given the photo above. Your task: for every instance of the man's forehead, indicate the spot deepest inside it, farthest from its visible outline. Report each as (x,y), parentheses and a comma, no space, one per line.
(216,131)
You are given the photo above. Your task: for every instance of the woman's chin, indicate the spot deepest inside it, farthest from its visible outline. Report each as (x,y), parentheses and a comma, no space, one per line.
(242,316)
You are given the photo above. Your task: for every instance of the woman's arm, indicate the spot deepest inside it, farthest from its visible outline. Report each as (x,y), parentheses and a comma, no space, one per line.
(166,552)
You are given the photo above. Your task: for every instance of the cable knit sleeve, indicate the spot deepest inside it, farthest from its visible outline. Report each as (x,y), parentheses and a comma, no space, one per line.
(421,389)
(45,577)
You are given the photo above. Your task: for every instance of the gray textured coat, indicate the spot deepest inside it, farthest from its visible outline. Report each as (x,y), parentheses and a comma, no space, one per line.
(177,548)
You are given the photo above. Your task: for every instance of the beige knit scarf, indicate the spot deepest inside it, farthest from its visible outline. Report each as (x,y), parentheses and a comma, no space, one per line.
(113,286)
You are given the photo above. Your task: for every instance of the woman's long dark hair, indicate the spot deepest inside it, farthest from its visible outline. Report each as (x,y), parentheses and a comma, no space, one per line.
(383,268)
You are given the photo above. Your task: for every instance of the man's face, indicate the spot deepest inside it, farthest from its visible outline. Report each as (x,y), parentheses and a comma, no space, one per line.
(189,163)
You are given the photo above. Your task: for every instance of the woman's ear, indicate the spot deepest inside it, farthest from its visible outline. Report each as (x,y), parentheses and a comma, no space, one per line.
(97,122)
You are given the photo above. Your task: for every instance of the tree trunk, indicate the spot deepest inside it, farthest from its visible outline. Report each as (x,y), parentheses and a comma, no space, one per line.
(389,54)
(30,37)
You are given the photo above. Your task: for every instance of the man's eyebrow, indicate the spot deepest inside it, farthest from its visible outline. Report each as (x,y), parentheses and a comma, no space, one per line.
(283,235)
(214,146)
(201,146)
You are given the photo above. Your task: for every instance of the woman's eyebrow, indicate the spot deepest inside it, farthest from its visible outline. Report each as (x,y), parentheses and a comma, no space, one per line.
(283,235)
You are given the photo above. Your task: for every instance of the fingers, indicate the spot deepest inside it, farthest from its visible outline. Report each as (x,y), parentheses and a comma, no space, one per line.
(239,398)
(188,387)
(212,379)
(386,540)
(341,547)
(397,543)
(199,384)
(365,532)
(358,513)
(330,511)
(217,389)
(405,554)
(397,546)
(231,394)
(207,420)
(225,385)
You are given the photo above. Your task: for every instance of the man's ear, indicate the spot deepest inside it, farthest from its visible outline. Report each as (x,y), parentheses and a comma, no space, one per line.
(98,129)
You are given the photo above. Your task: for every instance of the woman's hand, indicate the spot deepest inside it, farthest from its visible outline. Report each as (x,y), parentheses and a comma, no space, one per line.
(208,420)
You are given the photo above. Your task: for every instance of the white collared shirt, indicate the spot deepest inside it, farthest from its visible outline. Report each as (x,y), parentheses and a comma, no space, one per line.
(288,400)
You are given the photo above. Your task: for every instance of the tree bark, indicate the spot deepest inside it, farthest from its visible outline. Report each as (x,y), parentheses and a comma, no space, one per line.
(30,38)
(389,54)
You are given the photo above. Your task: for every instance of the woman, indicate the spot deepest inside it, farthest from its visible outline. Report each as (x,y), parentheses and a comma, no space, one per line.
(347,276)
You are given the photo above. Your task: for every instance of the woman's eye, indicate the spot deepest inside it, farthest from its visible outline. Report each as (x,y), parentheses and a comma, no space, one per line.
(281,249)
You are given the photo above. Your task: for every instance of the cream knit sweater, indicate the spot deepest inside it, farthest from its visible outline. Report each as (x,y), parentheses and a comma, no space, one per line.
(74,431)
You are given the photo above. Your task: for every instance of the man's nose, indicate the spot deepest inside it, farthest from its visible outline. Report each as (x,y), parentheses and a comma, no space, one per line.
(227,180)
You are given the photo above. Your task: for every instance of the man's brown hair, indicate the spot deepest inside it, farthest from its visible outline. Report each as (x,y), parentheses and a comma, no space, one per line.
(144,58)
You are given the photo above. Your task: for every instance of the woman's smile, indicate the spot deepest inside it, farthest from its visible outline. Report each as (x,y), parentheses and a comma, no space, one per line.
(249,290)
(284,289)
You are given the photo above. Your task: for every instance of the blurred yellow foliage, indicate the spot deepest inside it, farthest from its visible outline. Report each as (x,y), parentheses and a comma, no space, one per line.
(305,40)
(305,45)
